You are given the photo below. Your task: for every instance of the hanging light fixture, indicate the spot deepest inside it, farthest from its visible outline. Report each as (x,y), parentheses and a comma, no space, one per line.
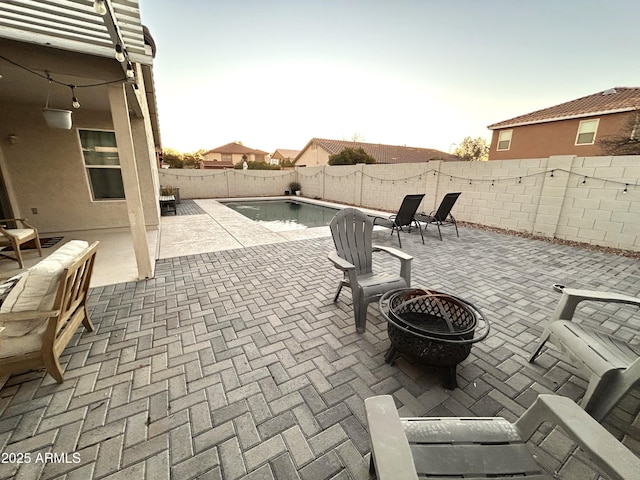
(119,53)
(100,7)
(56,118)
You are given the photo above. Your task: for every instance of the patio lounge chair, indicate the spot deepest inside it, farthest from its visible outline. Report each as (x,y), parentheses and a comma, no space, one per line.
(44,308)
(404,218)
(351,230)
(611,365)
(442,216)
(451,447)
(18,236)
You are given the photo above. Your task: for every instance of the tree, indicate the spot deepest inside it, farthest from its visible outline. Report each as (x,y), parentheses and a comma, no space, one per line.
(172,157)
(627,141)
(473,149)
(351,156)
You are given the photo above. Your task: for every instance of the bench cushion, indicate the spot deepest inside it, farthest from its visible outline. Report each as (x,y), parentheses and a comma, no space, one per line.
(36,290)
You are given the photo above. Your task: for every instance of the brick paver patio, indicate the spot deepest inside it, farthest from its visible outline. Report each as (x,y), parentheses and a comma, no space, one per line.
(237,364)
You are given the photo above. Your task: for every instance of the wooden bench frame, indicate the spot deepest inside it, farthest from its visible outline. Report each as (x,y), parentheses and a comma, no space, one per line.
(69,310)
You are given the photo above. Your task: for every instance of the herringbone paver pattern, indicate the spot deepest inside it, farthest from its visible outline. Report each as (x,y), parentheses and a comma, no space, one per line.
(237,365)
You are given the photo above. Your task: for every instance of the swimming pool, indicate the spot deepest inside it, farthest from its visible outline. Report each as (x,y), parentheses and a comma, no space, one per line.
(283,215)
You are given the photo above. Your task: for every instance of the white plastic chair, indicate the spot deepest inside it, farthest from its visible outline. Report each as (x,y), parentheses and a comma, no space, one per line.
(611,365)
(473,447)
(351,230)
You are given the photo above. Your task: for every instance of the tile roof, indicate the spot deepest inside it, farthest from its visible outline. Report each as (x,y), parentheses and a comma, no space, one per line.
(613,100)
(235,148)
(286,153)
(383,153)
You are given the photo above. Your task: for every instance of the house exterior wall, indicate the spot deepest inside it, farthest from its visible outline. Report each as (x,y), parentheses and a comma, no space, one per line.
(235,157)
(45,170)
(313,156)
(556,138)
(579,199)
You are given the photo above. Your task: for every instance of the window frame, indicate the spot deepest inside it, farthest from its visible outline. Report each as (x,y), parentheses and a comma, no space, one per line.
(500,133)
(595,131)
(87,167)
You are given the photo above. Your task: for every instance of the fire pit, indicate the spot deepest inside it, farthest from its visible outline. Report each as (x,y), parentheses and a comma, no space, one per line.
(436,328)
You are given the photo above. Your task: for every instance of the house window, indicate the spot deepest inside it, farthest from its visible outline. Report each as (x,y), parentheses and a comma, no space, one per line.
(101,161)
(587,132)
(227,157)
(504,140)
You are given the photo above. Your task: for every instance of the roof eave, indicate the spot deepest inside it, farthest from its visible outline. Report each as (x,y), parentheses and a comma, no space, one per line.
(501,126)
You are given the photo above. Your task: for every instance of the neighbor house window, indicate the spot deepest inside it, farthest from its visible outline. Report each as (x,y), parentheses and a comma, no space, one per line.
(587,132)
(227,157)
(101,160)
(504,140)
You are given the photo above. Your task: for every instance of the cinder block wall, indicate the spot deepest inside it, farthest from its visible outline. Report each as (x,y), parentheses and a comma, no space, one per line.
(580,199)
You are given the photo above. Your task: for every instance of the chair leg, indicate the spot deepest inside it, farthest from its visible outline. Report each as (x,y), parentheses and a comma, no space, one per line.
(86,321)
(52,365)
(38,245)
(398,232)
(360,312)
(543,339)
(16,249)
(439,232)
(420,228)
(455,224)
(340,285)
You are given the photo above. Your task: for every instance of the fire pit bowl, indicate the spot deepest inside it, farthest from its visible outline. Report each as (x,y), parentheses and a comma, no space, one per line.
(436,328)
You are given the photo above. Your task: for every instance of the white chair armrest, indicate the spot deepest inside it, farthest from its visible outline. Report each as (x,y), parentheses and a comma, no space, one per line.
(340,262)
(603,448)
(571,297)
(389,445)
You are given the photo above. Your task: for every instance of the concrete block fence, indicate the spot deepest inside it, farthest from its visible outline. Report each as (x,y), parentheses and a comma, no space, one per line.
(593,200)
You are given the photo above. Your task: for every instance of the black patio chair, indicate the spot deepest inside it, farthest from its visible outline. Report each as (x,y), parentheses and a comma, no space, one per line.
(404,218)
(442,216)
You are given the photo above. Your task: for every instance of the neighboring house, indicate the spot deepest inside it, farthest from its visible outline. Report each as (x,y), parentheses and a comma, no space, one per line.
(282,154)
(318,150)
(578,127)
(101,171)
(229,155)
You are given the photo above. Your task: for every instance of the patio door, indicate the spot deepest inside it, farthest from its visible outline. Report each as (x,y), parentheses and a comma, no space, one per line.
(5,206)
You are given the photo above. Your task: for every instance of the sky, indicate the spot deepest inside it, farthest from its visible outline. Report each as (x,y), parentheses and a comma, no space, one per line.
(422,73)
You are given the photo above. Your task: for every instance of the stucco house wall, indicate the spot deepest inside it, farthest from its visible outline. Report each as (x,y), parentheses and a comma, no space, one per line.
(44,169)
(556,138)
(314,156)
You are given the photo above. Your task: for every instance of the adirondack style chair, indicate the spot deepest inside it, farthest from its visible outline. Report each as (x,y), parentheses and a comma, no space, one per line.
(404,218)
(351,230)
(611,365)
(453,447)
(442,216)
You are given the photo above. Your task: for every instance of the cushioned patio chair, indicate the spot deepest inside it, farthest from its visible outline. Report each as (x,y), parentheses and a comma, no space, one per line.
(452,447)
(404,218)
(351,230)
(22,233)
(43,310)
(442,216)
(610,364)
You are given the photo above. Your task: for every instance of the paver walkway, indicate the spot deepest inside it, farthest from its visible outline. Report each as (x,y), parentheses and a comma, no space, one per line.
(237,364)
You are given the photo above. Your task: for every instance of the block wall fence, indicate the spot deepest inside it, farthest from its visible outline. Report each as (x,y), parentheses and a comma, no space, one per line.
(593,200)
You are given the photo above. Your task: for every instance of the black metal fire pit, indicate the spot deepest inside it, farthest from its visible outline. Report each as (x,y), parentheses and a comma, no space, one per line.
(436,328)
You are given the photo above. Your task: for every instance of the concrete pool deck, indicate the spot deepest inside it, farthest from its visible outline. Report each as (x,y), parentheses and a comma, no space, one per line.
(221,228)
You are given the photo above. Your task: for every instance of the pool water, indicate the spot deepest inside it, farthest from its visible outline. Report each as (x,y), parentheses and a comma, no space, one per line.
(283,215)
